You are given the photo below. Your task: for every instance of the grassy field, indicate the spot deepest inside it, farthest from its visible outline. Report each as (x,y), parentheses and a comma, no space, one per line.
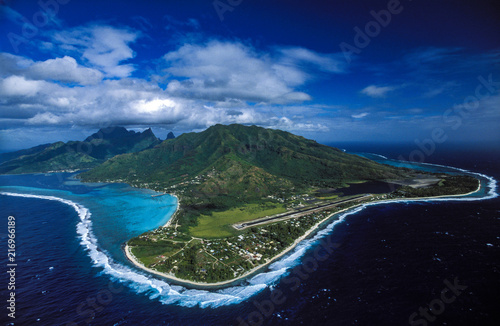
(149,254)
(218,224)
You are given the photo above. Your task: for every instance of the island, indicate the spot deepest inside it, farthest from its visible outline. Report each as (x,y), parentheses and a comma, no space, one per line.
(248,195)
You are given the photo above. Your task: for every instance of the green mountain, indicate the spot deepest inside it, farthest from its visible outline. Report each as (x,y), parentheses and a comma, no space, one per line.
(91,152)
(242,161)
(4,157)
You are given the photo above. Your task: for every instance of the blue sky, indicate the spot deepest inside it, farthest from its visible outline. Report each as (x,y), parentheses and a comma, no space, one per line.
(334,71)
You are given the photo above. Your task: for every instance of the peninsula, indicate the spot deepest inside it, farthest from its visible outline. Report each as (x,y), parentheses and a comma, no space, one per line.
(248,195)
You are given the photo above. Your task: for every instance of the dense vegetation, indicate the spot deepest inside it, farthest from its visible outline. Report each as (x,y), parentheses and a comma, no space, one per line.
(225,175)
(229,166)
(75,155)
(449,185)
(231,255)
(4,157)
(256,152)
(215,260)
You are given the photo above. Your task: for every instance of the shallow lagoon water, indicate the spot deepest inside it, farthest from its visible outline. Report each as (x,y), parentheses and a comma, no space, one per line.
(117,212)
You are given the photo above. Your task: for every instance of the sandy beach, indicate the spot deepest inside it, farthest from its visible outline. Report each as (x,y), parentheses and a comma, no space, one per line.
(134,260)
(175,213)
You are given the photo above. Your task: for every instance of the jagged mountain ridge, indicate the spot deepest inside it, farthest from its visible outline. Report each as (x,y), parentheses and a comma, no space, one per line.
(94,150)
(242,160)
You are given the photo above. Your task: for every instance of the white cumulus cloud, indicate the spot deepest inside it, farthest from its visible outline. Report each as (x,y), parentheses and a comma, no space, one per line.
(64,69)
(223,71)
(89,83)
(104,47)
(18,86)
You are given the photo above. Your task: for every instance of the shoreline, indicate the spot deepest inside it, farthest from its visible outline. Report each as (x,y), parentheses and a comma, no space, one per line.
(444,196)
(138,264)
(130,256)
(170,220)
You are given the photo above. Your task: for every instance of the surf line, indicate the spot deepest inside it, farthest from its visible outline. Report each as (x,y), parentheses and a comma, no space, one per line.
(490,183)
(141,283)
(84,230)
(169,294)
(83,213)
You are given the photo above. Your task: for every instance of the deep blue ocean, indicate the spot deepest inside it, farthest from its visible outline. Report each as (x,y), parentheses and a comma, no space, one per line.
(402,263)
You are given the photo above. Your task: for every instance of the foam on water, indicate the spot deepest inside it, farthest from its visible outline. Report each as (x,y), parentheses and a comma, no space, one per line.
(489,182)
(172,294)
(381,156)
(142,283)
(166,293)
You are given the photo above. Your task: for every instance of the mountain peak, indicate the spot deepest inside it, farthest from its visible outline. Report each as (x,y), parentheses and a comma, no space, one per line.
(109,133)
(117,132)
(148,132)
(236,152)
(97,148)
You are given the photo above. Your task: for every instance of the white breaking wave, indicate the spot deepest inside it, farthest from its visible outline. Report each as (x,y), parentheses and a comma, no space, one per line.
(491,184)
(381,156)
(173,294)
(155,288)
